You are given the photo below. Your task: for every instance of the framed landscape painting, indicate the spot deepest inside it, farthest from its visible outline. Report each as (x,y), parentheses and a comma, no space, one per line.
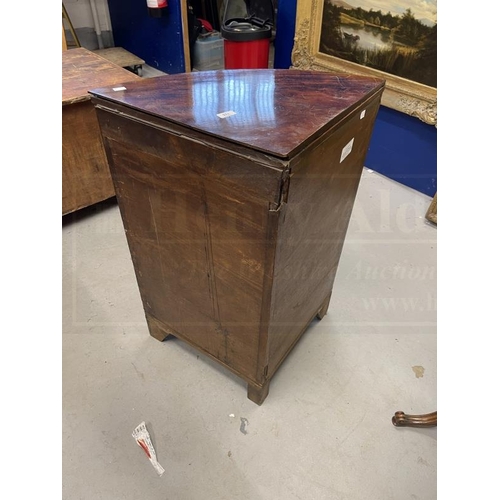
(396,41)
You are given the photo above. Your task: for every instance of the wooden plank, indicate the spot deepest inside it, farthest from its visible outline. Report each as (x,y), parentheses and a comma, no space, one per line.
(120,57)
(185,37)
(64,43)
(82,70)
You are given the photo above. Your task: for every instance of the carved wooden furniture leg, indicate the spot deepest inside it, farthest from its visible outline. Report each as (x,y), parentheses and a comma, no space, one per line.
(400,419)
(324,307)
(257,393)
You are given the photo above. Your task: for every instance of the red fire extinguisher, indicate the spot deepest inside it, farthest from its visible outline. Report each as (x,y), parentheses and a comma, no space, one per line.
(157,8)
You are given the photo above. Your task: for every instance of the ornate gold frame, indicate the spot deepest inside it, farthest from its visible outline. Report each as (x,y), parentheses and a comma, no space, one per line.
(432,211)
(407,96)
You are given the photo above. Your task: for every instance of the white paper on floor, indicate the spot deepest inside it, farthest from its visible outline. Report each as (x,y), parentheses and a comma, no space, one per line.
(143,439)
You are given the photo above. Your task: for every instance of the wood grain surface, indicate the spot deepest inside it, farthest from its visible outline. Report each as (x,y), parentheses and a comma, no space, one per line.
(83,70)
(275,111)
(120,56)
(312,227)
(85,173)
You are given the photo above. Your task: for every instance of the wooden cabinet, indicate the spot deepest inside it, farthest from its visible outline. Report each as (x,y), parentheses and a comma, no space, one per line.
(85,174)
(235,190)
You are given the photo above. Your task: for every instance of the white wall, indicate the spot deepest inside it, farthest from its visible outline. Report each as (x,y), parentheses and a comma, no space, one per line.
(81,15)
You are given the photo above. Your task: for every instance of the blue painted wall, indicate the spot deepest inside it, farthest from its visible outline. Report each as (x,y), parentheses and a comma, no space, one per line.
(156,40)
(402,147)
(285,31)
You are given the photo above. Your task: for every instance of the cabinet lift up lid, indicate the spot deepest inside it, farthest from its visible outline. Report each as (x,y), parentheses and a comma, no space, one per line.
(276,111)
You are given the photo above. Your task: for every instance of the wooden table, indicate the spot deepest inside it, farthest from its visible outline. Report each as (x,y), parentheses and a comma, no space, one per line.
(122,58)
(236,190)
(85,173)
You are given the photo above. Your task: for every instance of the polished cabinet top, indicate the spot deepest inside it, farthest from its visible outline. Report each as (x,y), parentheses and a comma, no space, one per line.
(274,111)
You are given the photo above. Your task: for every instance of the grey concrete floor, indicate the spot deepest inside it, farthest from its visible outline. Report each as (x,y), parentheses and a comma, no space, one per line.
(325,430)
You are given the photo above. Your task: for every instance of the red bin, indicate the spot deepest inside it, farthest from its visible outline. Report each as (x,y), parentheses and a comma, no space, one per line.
(247,29)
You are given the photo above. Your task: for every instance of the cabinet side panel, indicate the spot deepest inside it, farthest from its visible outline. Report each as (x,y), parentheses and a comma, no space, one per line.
(85,174)
(313,224)
(197,242)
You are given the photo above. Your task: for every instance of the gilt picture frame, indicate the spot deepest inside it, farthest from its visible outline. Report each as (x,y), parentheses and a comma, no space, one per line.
(432,212)
(407,96)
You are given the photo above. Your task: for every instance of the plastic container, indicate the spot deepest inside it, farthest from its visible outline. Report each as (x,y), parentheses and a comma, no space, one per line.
(208,52)
(247,30)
